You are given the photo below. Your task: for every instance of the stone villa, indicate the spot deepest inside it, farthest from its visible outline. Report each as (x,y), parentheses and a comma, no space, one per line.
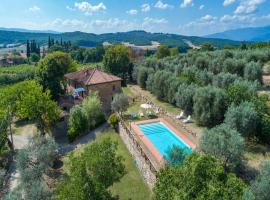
(88,81)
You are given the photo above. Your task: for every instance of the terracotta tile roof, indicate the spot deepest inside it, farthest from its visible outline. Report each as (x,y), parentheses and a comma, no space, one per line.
(92,77)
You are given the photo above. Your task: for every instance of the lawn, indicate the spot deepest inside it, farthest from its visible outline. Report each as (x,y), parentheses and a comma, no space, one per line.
(131,186)
(127,91)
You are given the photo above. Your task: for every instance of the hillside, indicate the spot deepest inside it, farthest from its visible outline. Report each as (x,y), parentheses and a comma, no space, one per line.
(135,37)
(258,34)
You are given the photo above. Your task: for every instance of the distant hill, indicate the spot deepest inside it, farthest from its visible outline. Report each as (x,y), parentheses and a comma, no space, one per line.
(258,34)
(138,38)
(27,30)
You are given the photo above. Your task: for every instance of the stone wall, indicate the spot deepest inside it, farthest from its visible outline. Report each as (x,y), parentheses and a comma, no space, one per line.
(144,165)
(106,92)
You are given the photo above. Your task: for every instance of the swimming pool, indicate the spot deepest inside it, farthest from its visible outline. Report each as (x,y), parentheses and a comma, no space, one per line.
(162,138)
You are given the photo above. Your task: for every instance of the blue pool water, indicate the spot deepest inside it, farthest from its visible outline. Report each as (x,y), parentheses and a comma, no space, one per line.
(162,137)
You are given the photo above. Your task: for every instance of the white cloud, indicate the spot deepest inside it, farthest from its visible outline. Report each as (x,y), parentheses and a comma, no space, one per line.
(132,12)
(67,22)
(228,2)
(70,8)
(145,7)
(162,5)
(248,6)
(148,21)
(201,7)
(186,3)
(208,18)
(34,9)
(88,8)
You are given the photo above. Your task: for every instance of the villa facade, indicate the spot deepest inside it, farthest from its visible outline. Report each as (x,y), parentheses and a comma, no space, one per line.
(89,81)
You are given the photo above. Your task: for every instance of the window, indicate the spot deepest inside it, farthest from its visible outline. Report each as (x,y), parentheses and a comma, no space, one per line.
(113,88)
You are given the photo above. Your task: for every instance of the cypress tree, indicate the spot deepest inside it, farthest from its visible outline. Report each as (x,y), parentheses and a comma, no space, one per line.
(27,49)
(49,42)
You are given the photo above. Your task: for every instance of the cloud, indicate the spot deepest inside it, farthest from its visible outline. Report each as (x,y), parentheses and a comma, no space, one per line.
(148,21)
(186,3)
(132,12)
(88,8)
(201,7)
(67,22)
(208,18)
(145,7)
(34,9)
(228,2)
(162,5)
(248,6)
(70,8)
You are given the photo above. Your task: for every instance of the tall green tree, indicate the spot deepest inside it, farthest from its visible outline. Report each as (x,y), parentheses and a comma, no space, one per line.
(34,104)
(163,51)
(117,60)
(225,144)
(51,71)
(92,173)
(199,177)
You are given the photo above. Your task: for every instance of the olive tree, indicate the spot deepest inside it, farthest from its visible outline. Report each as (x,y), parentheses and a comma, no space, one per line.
(243,118)
(210,104)
(224,143)
(33,163)
(119,103)
(184,97)
(253,72)
(260,187)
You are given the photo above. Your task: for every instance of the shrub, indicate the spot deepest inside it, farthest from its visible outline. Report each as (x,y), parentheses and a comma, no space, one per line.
(113,120)
(253,72)
(77,123)
(85,117)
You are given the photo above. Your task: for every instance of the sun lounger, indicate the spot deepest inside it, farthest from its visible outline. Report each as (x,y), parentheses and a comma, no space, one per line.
(187,120)
(141,114)
(181,116)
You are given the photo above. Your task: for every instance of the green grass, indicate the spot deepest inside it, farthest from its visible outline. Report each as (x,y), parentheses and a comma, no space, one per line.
(18,69)
(166,106)
(127,91)
(131,186)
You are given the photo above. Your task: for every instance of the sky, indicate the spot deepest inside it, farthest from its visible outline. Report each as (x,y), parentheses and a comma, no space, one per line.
(186,17)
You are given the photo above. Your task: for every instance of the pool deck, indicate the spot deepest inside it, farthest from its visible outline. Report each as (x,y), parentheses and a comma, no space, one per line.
(148,143)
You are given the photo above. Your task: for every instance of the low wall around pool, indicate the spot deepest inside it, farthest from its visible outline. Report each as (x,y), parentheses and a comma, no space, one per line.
(145,165)
(147,158)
